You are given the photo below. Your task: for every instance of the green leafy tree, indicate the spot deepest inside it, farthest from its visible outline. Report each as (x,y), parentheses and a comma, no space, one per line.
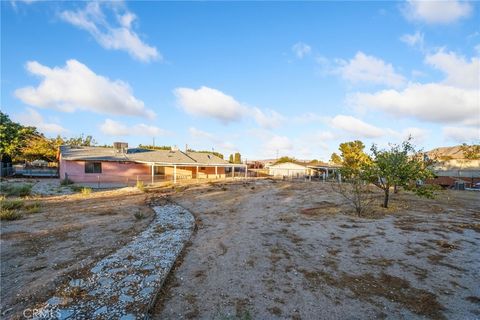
(150,147)
(230,158)
(237,157)
(41,148)
(285,159)
(218,154)
(13,137)
(400,165)
(352,158)
(354,162)
(336,159)
(471,152)
(80,141)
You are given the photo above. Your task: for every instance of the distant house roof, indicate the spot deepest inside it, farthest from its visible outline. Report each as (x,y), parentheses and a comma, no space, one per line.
(140,155)
(288,164)
(207,158)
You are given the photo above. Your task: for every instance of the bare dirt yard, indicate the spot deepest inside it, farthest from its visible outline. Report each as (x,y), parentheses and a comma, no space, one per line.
(294,250)
(69,233)
(262,250)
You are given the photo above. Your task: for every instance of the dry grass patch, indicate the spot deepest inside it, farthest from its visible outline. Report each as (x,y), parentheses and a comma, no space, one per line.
(368,287)
(321,208)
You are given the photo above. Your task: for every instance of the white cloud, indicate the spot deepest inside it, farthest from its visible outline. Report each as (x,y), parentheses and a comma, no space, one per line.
(115,128)
(277,143)
(309,117)
(13,2)
(369,69)
(356,126)
(462,134)
(454,100)
(417,74)
(208,102)
(76,87)
(119,37)
(301,49)
(415,40)
(209,138)
(213,103)
(196,133)
(429,102)
(35,119)
(459,72)
(437,12)
(325,136)
(418,135)
(269,119)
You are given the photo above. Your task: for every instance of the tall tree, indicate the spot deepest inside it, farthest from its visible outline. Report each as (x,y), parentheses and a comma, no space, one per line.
(352,158)
(230,158)
(335,158)
(41,148)
(81,141)
(354,162)
(14,136)
(237,158)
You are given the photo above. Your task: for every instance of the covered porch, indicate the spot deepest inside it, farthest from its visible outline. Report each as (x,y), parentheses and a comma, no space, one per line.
(186,171)
(325,172)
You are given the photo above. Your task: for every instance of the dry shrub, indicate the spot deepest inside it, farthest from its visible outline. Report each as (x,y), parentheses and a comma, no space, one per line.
(357,193)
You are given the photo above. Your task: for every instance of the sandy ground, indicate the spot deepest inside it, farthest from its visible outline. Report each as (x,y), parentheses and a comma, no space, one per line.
(69,234)
(266,250)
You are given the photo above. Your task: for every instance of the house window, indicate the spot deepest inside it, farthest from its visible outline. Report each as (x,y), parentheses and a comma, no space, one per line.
(93,167)
(203,168)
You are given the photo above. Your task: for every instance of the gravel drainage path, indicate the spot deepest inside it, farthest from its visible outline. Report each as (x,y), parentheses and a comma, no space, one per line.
(124,285)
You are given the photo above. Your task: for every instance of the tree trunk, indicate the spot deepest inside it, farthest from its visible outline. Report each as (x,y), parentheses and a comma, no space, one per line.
(395,189)
(385,200)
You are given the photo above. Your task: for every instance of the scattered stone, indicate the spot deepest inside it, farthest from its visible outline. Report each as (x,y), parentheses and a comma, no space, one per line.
(124,285)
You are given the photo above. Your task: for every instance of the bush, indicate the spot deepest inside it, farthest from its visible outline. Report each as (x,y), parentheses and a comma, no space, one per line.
(32,207)
(17,190)
(357,194)
(86,191)
(9,215)
(139,215)
(76,188)
(66,182)
(140,186)
(11,204)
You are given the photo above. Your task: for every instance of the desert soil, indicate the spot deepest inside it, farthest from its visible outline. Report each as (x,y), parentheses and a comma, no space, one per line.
(294,250)
(43,250)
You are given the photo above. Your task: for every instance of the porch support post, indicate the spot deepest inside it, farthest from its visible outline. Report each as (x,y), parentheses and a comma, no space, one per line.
(174,173)
(233,172)
(196,173)
(216,172)
(153,173)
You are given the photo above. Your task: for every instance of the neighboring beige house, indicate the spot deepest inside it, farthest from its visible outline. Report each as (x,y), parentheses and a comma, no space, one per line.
(317,169)
(461,168)
(289,169)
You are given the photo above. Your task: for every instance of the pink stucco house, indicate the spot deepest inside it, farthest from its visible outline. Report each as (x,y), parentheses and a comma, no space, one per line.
(124,165)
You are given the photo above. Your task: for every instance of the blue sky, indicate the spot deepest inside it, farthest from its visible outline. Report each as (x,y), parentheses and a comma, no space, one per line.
(262,78)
